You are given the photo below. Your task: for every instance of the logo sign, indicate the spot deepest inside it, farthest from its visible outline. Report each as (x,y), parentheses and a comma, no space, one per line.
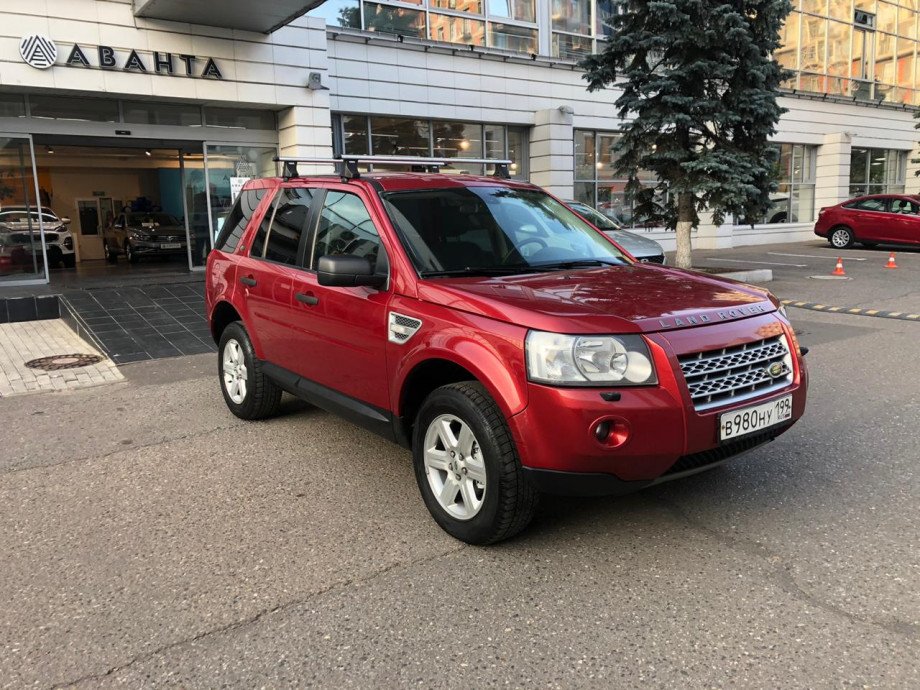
(38,51)
(41,52)
(775,370)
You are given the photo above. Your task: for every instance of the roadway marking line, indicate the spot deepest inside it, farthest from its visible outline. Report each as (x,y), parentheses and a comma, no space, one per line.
(817,256)
(856,311)
(764,263)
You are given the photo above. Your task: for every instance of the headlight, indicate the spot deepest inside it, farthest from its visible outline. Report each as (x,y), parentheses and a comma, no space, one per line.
(136,235)
(622,360)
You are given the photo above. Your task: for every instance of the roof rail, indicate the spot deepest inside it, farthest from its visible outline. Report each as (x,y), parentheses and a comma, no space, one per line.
(347,165)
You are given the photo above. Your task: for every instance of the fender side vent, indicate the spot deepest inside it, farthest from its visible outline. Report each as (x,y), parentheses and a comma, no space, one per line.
(402,327)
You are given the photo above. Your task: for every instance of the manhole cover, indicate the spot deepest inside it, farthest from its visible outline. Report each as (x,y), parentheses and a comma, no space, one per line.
(55,362)
(830,278)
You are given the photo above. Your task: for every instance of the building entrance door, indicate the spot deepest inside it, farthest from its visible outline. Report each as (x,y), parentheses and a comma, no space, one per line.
(93,215)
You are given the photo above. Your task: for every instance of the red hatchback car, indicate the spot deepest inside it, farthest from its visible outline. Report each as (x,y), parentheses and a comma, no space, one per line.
(485,326)
(870,221)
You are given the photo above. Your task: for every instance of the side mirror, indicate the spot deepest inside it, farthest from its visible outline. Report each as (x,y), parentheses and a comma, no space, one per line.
(65,221)
(347,271)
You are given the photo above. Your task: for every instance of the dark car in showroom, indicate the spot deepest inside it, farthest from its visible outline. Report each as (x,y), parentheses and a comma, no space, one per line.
(871,220)
(642,248)
(139,234)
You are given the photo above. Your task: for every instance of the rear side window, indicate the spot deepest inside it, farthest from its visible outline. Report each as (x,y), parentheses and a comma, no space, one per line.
(869,205)
(236,221)
(905,206)
(292,209)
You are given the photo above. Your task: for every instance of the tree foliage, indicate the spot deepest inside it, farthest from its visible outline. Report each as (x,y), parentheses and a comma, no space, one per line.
(699,86)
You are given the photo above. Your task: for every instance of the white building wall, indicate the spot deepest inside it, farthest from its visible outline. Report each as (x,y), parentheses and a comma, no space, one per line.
(258,70)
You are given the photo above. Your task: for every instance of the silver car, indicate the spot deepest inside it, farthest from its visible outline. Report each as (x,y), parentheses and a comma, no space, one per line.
(644,249)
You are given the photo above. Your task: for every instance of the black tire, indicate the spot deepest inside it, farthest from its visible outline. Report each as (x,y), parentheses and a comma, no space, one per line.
(70,260)
(129,254)
(262,397)
(841,237)
(510,499)
(55,257)
(110,255)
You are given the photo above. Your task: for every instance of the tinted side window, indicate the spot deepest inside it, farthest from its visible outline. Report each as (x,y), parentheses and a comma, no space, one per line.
(291,212)
(904,206)
(236,221)
(346,228)
(871,205)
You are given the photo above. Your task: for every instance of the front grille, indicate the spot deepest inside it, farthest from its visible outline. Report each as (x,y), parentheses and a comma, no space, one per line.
(712,456)
(169,238)
(732,374)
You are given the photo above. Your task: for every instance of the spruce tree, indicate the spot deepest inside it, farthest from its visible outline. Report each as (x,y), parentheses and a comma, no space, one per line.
(699,86)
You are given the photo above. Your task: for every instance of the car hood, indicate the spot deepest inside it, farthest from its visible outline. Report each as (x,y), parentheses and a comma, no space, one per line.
(636,245)
(619,299)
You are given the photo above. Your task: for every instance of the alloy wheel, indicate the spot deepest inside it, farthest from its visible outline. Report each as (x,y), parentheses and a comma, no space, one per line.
(454,466)
(235,374)
(840,238)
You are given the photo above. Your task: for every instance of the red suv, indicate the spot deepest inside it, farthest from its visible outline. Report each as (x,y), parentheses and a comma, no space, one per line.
(871,220)
(484,325)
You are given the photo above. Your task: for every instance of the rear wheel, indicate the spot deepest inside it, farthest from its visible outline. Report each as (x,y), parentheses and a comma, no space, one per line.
(248,392)
(467,467)
(841,237)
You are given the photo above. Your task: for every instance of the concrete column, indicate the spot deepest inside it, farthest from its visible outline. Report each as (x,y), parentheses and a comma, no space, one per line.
(552,151)
(306,131)
(912,182)
(832,170)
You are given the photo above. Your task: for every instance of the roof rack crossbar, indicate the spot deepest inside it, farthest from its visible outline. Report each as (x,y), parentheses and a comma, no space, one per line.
(347,165)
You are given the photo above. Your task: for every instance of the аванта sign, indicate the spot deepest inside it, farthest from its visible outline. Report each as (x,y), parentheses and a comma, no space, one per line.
(41,52)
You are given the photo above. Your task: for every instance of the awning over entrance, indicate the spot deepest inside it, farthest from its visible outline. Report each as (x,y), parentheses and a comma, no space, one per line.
(265,16)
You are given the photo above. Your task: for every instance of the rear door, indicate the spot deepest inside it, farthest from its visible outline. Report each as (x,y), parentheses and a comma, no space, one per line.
(343,331)
(871,220)
(267,274)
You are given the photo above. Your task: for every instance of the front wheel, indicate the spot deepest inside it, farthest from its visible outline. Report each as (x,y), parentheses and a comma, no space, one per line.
(467,467)
(841,237)
(130,254)
(248,392)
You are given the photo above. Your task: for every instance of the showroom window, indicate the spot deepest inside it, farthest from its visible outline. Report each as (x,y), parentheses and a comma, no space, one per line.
(503,24)
(65,108)
(401,136)
(596,182)
(581,26)
(794,198)
(877,171)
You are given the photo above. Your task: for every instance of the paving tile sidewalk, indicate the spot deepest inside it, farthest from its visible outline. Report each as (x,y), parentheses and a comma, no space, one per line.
(23,342)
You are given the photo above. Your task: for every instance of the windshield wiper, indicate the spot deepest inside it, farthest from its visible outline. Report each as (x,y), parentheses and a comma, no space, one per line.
(578,263)
(481,271)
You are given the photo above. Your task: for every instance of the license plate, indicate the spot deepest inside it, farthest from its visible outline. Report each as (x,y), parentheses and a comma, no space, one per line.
(170,245)
(747,420)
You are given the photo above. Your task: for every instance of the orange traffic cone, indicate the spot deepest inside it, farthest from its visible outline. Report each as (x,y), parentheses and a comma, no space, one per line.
(891,263)
(838,271)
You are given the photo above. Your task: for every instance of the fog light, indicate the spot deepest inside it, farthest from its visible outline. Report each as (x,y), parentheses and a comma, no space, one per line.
(602,431)
(610,432)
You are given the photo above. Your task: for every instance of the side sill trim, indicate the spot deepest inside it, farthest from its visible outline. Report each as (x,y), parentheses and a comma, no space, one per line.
(355,411)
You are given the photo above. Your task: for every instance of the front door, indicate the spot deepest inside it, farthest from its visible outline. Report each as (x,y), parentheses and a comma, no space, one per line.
(344,330)
(89,229)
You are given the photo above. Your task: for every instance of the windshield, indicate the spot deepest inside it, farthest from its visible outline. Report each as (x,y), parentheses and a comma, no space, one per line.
(595,217)
(23,216)
(151,219)
(494,229)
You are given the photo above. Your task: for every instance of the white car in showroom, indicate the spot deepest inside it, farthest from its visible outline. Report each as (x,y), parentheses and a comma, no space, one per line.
(19,233)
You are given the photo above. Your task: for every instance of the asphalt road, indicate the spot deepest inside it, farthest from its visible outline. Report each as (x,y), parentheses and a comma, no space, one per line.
(150,538)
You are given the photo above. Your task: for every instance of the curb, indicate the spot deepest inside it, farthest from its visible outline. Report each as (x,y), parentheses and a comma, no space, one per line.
(855,311)
(757,275)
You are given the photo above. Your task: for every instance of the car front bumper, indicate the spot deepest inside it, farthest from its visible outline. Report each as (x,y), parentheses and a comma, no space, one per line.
(147,248)
(655,433)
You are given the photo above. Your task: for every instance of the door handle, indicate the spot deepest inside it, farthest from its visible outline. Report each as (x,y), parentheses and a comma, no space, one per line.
(248,280)
(306,299)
